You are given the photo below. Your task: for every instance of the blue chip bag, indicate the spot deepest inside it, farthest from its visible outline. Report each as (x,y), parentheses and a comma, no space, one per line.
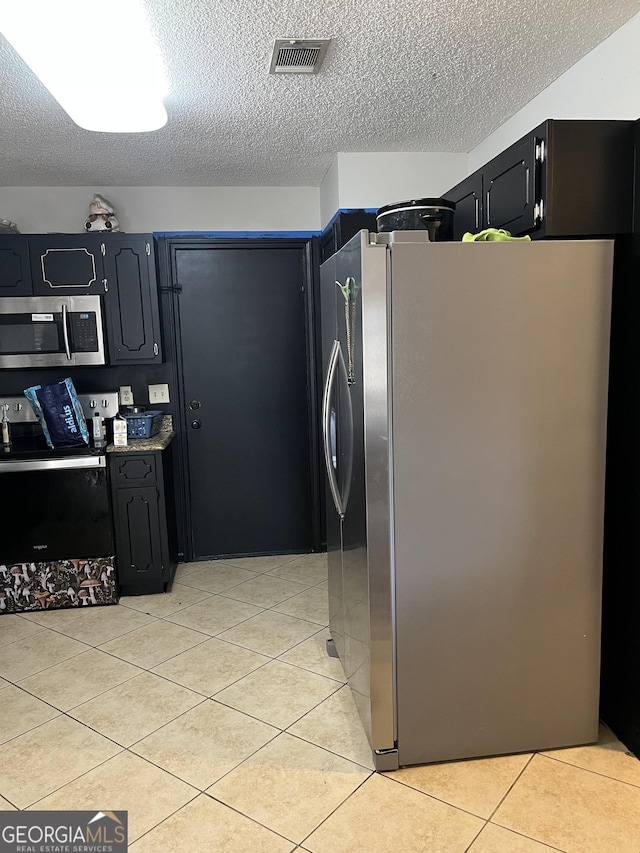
(60,414)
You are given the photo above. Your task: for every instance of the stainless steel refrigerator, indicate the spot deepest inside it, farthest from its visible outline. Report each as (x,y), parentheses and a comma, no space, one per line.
(464,421)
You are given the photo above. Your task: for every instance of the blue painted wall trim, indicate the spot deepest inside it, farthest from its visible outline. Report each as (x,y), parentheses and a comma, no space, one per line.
(291,235)
(236,235)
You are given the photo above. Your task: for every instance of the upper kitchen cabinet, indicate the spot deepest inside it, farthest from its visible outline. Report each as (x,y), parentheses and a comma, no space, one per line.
(120,268)
(342,228)
(131,300)
(467,196)
(67,264)
(564,179)
(15,275)
(510,184)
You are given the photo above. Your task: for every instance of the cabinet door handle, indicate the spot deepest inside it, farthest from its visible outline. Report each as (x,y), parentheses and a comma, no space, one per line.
(155,349)
(105,284)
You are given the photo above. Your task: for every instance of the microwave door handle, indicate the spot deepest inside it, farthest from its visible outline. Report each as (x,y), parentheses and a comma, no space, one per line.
(65,331)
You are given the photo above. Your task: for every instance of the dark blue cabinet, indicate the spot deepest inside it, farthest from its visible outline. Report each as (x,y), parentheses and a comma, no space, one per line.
(131,300)
(67,264)
(120,268)
(144,521)
(566,178)
(15,274)
(467,196)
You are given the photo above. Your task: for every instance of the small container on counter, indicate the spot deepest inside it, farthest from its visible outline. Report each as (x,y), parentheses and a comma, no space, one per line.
(98,430)
(120,430)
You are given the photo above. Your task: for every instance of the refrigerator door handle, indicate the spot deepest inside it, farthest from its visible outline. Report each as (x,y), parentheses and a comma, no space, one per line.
(349,415)
(326,427)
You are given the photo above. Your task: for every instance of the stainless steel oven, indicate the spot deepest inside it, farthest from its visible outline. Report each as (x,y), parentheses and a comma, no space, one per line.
(58,507)
(56,503)
(51,331)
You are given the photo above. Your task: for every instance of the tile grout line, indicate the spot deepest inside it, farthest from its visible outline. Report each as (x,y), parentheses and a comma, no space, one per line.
(247,580)
(303,588)
(346,799)
(259,719)
(388,775)
(476,836)
(325,748)
(545,754)
(196,790)
(206,596)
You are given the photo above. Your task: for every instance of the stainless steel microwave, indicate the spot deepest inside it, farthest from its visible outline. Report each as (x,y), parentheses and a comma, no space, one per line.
(51,331)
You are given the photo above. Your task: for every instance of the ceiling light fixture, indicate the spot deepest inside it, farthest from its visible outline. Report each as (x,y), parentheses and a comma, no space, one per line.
(99,61)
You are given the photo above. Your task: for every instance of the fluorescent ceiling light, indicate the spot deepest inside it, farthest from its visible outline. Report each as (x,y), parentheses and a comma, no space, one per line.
(98,60)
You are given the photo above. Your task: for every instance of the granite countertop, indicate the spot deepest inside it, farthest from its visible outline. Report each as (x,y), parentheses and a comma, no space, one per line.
(159,441)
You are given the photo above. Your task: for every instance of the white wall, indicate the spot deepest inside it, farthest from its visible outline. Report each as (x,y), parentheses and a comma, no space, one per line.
(603,84)
(378,178)
(373,179)
(143,209)
(329,193)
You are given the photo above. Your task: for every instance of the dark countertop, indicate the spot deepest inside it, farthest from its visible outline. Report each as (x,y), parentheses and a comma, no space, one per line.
(159,441)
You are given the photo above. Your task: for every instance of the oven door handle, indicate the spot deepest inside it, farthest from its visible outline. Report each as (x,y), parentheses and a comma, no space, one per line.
(65,330)
(72,463)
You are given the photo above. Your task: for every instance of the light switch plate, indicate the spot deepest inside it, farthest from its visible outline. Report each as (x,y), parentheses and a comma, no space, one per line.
(159,394)
(126,395)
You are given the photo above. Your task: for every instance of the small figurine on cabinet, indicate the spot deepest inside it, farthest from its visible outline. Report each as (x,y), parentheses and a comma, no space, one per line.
(101,216)
(8,227)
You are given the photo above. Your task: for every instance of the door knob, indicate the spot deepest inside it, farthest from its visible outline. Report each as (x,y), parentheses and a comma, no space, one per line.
(196,424)
(194,404)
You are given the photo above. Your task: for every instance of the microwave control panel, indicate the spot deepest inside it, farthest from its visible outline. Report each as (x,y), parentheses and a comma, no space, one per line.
(84,333)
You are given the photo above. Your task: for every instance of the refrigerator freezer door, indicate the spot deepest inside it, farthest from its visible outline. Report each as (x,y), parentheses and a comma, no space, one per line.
(500,363)
(329,324)
(366,554)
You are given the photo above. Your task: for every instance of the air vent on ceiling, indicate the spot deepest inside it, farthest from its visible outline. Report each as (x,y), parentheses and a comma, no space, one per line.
(298,56)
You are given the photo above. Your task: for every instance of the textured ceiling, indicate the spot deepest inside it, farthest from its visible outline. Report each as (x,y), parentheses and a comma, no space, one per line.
(398,76)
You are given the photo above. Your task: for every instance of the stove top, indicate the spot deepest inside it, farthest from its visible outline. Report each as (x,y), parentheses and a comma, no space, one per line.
(27,438)
(36,448)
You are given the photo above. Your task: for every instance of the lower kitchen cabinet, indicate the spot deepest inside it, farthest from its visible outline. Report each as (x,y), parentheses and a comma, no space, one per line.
(144,520)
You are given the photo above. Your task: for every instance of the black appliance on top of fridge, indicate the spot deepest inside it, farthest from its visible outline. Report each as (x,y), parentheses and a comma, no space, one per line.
(464,429)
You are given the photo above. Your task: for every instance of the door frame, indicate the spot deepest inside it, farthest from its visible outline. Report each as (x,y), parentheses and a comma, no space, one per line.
(170,290)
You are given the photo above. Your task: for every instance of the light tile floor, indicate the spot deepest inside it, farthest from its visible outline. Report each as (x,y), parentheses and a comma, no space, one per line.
(214,716)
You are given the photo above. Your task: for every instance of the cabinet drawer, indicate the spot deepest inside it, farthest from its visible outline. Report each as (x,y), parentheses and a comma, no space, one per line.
(133,469)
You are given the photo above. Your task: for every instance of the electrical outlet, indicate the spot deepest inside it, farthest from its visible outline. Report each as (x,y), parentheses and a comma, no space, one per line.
(159,394)
(126,395)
